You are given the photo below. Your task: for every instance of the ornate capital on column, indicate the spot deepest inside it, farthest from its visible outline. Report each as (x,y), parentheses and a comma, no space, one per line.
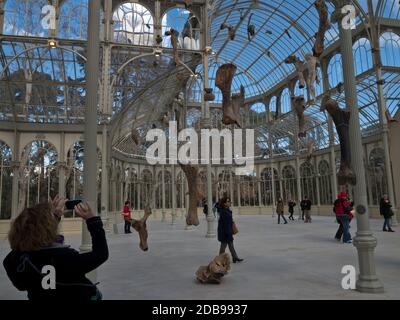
(339,4)
(62,165)
(15,165)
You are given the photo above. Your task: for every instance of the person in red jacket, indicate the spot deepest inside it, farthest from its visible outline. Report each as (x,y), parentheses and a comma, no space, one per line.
(126,212)
(342,209)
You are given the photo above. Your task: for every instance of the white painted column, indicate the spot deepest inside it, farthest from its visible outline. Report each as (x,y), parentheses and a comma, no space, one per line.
(61,166)
(104,175)
(364,241)
(163,192)
(15,165)
(173,213)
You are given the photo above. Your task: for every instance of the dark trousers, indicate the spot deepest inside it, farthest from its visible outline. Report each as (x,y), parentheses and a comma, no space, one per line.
(283,217)
(339,232)
(231,249)
(127,226)
(345,223)
(387,223)
(291,215)
(302,214)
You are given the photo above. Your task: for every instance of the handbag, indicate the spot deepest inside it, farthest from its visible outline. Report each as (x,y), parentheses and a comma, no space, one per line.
(235,229)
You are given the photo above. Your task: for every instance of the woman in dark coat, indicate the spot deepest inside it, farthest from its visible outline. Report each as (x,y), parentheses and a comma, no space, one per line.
(225,222)
(386,212)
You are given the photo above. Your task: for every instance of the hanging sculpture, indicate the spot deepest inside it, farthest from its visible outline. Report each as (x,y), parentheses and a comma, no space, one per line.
(135,136)
(141,227)
(190,33)
(324,25)
(310,150)
(230,105)
(174,42)
(215,270)
(188,3)
(299,106)
(231,30)
(306,72)
(341,118)
(208,94)
(251,29)
(195,193)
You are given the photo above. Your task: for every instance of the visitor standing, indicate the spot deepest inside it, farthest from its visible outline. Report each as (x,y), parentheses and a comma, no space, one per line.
(344,215)
(126,212)
(387,213)
(225,226)
(291,205)
(306,209)
(280,210)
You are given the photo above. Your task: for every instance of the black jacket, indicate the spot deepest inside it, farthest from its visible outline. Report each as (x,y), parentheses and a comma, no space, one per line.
(225,222)
(305,204)
(385,209)
(23,268)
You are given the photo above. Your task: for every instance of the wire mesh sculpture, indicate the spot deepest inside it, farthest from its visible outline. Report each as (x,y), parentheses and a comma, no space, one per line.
(299,106)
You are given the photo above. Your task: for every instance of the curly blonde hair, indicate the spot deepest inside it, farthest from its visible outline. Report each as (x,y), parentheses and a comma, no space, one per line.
(34,228)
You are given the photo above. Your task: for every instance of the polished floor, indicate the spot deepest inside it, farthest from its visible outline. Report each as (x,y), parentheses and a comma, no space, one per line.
(292,261)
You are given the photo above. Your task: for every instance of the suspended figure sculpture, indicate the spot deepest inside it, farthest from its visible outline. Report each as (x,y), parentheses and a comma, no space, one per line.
(230,105)
(174,42)
(307,71)
(141,227)
(299,106)
(341,118)
(231,30)
(195,193)
(215,270)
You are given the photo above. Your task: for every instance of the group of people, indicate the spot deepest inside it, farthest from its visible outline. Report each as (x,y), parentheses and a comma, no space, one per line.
(305,206)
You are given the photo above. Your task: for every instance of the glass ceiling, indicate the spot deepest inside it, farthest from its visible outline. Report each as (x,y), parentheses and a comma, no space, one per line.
(48,85)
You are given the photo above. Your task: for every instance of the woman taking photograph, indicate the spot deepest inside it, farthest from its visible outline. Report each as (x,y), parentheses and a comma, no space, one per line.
(225,225)
(33,241)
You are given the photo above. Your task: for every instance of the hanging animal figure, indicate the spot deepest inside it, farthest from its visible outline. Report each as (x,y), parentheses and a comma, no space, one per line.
(341,118)
(195,193)
(306,71)
(174,42)
(310,150)
(230,105)
(231,30)
(299,106)
(324,25)
(251,29)
(135,136)
(141,227)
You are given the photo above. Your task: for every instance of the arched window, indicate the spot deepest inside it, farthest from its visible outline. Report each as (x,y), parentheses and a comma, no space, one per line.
(257,114)
(362,55)
(39,181)
(335,71)
(181,191)
(377,176)
(272,106)
(133,24)
(74,19)
(186,24)
(324,180)
(308,184)
(390,49)
(286,105)
(266,186)
(289,183)
(146,188)
(5,181)
(133,188)
(24,17)
(248,190)
(74,172)
(298,91)
(192,117)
